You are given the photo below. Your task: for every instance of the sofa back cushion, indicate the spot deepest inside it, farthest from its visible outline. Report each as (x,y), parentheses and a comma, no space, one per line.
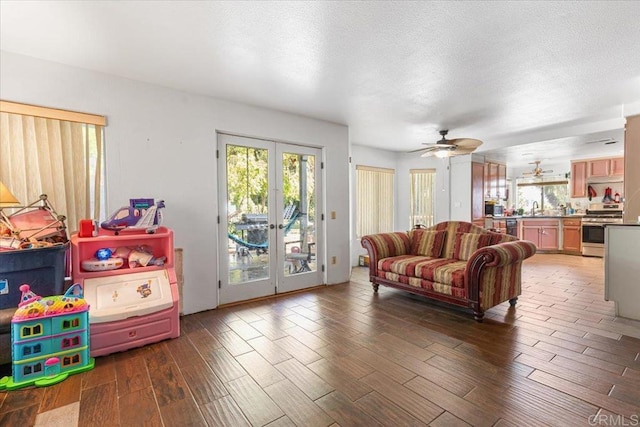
(453,227)
(389,244)
(427,242)
(467,243)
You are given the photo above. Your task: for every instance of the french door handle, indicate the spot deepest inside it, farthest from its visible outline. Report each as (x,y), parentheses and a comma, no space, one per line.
(272,226)
(280,226)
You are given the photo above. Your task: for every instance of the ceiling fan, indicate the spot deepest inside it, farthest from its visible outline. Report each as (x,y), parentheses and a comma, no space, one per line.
(448,147)
(537,172)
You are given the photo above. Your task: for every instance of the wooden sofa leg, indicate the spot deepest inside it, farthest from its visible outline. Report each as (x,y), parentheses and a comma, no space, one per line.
(512,301)
(478,316)
(375,287)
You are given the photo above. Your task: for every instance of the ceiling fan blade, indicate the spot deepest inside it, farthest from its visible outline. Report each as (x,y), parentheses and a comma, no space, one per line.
(427,149)
(463,150)
(466,142)
(439,144)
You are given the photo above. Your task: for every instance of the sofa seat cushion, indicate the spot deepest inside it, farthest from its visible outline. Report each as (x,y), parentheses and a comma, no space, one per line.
(437,270)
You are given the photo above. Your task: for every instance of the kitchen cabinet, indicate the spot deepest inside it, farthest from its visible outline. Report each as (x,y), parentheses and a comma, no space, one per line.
(495,178)
(617,166)
(604,168)
(571,235)
(578,179)
(502,181)
(477,192)
(543,233)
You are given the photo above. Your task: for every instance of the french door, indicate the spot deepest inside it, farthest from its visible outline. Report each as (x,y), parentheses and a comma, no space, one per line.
(270,221)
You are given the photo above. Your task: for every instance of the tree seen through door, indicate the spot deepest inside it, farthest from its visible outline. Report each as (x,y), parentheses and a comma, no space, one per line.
(248,212)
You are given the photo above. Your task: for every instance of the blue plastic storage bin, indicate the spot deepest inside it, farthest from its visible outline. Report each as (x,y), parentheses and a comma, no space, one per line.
(43,269)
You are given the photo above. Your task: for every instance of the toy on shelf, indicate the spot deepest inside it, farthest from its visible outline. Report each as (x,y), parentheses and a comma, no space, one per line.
(140,215)
(106,259)
(140,256)
(95,264)
(50,338)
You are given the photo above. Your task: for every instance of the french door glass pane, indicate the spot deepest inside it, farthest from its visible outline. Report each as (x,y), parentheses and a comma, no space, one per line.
(248,213)
(298,194)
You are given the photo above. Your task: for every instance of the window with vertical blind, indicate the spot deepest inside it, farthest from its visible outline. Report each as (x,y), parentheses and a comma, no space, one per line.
(54,152)
(423,186)
(374,199)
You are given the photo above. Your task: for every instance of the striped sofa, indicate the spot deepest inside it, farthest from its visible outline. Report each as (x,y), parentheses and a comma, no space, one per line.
(454,261)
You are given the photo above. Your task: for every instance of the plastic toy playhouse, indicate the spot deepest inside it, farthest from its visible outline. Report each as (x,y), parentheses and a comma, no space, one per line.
(50,338)
(130,283)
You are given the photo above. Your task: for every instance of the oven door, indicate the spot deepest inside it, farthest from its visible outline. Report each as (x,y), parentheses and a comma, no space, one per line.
(592,233)
(592,239)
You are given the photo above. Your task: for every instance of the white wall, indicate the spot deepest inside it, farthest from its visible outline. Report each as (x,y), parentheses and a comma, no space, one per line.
(161,143)
(461,188)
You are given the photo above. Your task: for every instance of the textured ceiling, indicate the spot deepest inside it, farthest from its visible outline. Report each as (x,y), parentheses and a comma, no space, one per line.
(394,72)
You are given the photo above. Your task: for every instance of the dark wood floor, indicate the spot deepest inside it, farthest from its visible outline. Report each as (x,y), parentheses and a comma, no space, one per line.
(344,356)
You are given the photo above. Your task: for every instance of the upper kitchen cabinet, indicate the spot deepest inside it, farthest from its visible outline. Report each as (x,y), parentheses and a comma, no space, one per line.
(502,182)
(578,179)
(477,199)
(617,166)
(605,168)
(495,180)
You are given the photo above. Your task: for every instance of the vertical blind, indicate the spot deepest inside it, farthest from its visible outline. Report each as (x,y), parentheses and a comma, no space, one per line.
(42,154)
(374,187)
(423,184)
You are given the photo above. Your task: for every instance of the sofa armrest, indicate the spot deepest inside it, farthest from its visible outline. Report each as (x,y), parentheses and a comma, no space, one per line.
(505,253)
(385,245)
(493,273)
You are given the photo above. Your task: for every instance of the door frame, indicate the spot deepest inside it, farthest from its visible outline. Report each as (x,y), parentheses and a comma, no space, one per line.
(277,281)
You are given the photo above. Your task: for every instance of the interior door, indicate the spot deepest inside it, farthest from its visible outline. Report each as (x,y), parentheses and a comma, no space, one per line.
(270,221)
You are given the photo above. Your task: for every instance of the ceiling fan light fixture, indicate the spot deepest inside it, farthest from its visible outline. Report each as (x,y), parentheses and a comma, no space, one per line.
(442,154)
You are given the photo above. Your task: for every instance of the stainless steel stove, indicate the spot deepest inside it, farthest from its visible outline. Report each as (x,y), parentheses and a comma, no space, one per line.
(598,215)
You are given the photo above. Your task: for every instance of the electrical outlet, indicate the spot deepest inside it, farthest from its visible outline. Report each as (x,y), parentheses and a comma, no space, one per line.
(334,260)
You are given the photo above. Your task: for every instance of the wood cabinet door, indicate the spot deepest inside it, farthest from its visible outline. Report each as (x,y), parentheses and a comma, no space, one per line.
(617,166)
(477,191)
(548,238)
(532,234)
(571,238)
(487,185)
(502,181)
(493,180)
(579,179)
(598,168)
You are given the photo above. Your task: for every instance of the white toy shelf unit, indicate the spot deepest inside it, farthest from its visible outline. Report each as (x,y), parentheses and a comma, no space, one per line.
(130,284)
